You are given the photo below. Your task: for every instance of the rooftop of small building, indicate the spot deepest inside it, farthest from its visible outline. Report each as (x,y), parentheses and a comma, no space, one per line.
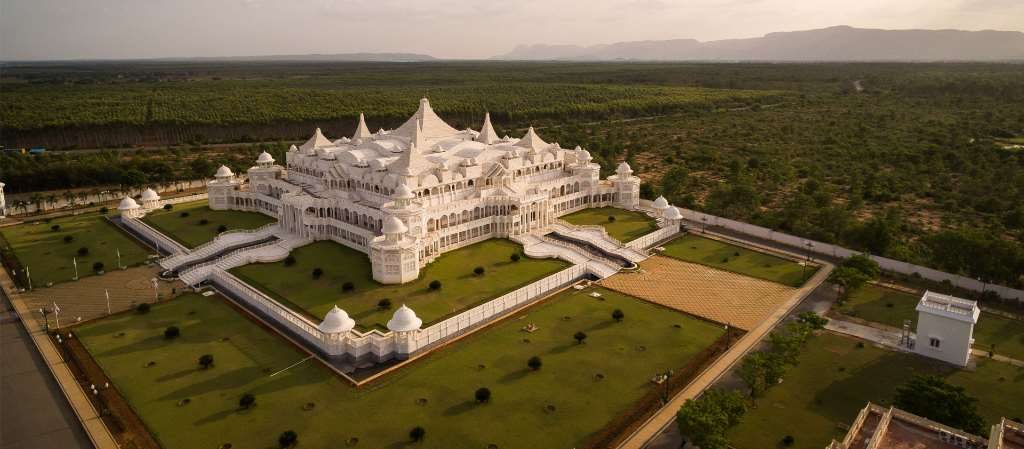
(949,306)
(881,427)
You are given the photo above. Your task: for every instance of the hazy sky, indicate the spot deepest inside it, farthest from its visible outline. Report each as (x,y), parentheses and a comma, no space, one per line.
(64,29)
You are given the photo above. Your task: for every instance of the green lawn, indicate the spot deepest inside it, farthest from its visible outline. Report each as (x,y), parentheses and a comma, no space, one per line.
(835,379)
(717,254)
(460,288)
(188,231)
(891,307)
(49,258)
(628,225)
(625,354)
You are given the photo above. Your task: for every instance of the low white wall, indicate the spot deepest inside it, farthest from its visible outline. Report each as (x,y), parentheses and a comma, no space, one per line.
(184,199)
(821,248)
(153,235)
(651,239)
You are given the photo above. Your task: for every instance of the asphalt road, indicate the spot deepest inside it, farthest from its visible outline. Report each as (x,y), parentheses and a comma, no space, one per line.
(33,411)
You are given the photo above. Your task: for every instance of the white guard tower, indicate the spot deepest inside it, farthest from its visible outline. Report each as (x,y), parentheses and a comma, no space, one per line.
(945,327)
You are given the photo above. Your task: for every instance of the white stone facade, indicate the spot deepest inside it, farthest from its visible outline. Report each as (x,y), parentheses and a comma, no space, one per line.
(945,327)
(407,195)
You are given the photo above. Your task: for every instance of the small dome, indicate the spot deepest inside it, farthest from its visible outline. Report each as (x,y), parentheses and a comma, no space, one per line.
(661,203)
(224,172)
(583,155)
(672,213)
(336,321)
(404,320)
(127,204)
(624,169)
(403,192)
(293,148)
(265,158)
(393,225)
(150,195)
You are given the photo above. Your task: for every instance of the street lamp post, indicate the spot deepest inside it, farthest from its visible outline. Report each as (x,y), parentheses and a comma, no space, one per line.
(74,261)
(156,290)
(704,224)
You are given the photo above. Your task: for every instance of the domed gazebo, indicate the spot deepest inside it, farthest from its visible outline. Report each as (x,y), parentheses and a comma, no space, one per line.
(129,208)
(404,320)
(337,321)
(150,199)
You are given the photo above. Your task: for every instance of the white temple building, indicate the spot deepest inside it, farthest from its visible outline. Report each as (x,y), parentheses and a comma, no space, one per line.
(407,195)
(945,327)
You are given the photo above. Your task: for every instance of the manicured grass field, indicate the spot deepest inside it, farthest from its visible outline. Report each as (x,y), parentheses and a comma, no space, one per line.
(460,287)
(835,379)
(872,303)
(628,225)
(717,254)
(188,231)
(579,389)
(49,258)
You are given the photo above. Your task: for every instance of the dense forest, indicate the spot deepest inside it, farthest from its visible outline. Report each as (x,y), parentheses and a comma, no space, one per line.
(910,161)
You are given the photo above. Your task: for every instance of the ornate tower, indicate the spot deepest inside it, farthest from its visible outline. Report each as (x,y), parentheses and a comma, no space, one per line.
(222,187)
(627,187)
(396,256)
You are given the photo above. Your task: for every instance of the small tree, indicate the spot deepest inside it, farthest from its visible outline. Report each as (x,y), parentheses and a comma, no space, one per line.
(317,272)
(435,284)
(206,361)
(247,401)
(348,286)
(142,309)
(788,440)
(935,399)
(287,439)
(104,210)
(579,336)
(221,229)
(97,267)
(55,228)
(289,261)
(706,419)
(168,206)
(184,214)
(83,251)
(618,315)
(69,238)
(534,363)
(812,319)
(515,257)
(478,271)
(611,219)
(482,395)
(417,433)
(172,332)
(204,222)
(384,304)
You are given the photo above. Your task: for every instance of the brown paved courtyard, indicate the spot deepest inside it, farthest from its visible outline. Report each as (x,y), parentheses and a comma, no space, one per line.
(717,295)
(84,298)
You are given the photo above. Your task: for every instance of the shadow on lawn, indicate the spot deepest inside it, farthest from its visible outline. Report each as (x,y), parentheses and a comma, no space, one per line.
(513,376)
(460,408)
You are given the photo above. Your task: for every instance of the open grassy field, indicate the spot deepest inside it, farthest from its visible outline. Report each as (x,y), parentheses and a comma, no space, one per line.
(189,232)
(49,258)
(460,288)
(555,407)
(835,379)
(717,254)
(891,307)
(628,225)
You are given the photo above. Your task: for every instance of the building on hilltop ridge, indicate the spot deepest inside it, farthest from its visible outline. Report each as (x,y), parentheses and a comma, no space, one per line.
(945,327)
(407,195)
(878,427)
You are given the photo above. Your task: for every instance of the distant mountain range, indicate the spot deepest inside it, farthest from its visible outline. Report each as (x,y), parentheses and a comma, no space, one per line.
(839,43)
(315,57)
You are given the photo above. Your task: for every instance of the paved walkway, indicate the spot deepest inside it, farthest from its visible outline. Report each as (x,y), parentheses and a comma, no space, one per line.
(664,417)
(94,427)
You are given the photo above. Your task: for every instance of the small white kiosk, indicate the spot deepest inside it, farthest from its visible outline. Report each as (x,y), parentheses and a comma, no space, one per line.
(945,327)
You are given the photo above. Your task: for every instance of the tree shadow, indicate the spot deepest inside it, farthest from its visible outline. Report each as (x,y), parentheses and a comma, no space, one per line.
(215,382)
(513,376)
(459,408)
(601,325)
(562,348)
(176,375)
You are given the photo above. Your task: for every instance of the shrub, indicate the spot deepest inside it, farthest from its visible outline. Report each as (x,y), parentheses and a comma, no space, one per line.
(788,440)
(184,214)
(813,319)
(206,361)
(104,210)
(55,228)
(417,433)
(287,439)
(83,251)
(68,238)
(168,206)
(384,304)
(221,229)
(435,284)
(534,363)
(172,332)
(247,401)
(579,337)
(289,261)
(97,267)
(618,315)
(482,395)
(611,219)
(478,271)
(515,257)
(142,308)
(204,222)
(348,286)
(317,272)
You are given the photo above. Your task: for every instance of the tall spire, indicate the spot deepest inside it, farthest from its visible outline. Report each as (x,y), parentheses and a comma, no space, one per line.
(317,141)
(487,134)
(362,131)
(432,125)
(532,140)
(412,162)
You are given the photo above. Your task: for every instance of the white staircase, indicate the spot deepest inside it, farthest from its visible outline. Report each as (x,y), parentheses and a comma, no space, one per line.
(263,253)
(223,241)
(544,248)
(597,236)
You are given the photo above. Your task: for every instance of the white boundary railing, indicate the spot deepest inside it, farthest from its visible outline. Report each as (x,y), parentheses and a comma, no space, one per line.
(827,249)
(153,235)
